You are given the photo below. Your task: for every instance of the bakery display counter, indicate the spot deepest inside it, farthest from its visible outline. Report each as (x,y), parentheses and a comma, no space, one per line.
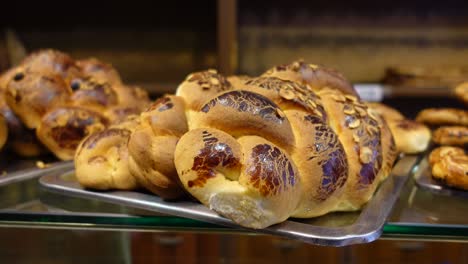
(418,214)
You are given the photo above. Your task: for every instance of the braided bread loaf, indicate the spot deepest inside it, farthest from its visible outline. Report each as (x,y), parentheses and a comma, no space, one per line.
(64,101)
(261,150)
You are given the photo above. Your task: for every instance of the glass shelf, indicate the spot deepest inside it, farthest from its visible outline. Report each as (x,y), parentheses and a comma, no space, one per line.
(417,215)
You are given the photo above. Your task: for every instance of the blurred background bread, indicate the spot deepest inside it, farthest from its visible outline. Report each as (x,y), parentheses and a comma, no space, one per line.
(64,100)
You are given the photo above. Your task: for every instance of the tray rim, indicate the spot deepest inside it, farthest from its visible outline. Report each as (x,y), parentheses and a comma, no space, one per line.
(368,226)
(30,173)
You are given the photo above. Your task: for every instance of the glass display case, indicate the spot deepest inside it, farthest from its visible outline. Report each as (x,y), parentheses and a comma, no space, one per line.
(236,37)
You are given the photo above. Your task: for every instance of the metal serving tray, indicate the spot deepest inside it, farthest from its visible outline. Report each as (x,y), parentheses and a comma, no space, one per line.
(335,229)
(424,180)
(27,169)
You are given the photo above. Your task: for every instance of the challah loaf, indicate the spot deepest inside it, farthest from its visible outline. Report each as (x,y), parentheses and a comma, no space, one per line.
(261,150)
(49,83)
(279,148)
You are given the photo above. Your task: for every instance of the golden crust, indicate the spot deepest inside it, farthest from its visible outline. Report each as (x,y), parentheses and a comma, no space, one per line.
(388,113)
(200,86)
(244,112)
(152,145)
(62,129)
(321,163)
(249,180)
(361,136)
(451,135)
(93,94)
(315,76)
(50,60)
(31,94)
(450,166)
(132,96)
(101,161)
(99,70)
(410,137)
(443,116)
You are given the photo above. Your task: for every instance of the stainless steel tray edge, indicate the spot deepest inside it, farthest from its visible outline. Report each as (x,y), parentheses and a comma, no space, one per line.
(368,227)
(26,174)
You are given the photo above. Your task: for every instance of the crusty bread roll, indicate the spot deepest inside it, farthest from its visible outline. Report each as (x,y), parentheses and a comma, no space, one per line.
(151,147)
(276,149)
(443,116)
(31,94)
(410,137)
(451,135)
(101,159)
(62,129)
(450,165)
(315,76)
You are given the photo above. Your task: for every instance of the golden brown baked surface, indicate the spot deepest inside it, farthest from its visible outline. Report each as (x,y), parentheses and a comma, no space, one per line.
(99,70)
(451,135)
(49,81)
(101,159)
(152,145)
(295,142)
(315,76)
(450,166)
(62,129)
(443,116)
(277,149)
(410,137)
(31,94)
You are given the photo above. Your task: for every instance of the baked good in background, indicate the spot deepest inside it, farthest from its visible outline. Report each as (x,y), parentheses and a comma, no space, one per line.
(246,146)
(451,136)
(443,116)
(448,161)
(410,136)
(425,77)
(62,100)
(450,166)
(21,141)
(315,76)
(461,92)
